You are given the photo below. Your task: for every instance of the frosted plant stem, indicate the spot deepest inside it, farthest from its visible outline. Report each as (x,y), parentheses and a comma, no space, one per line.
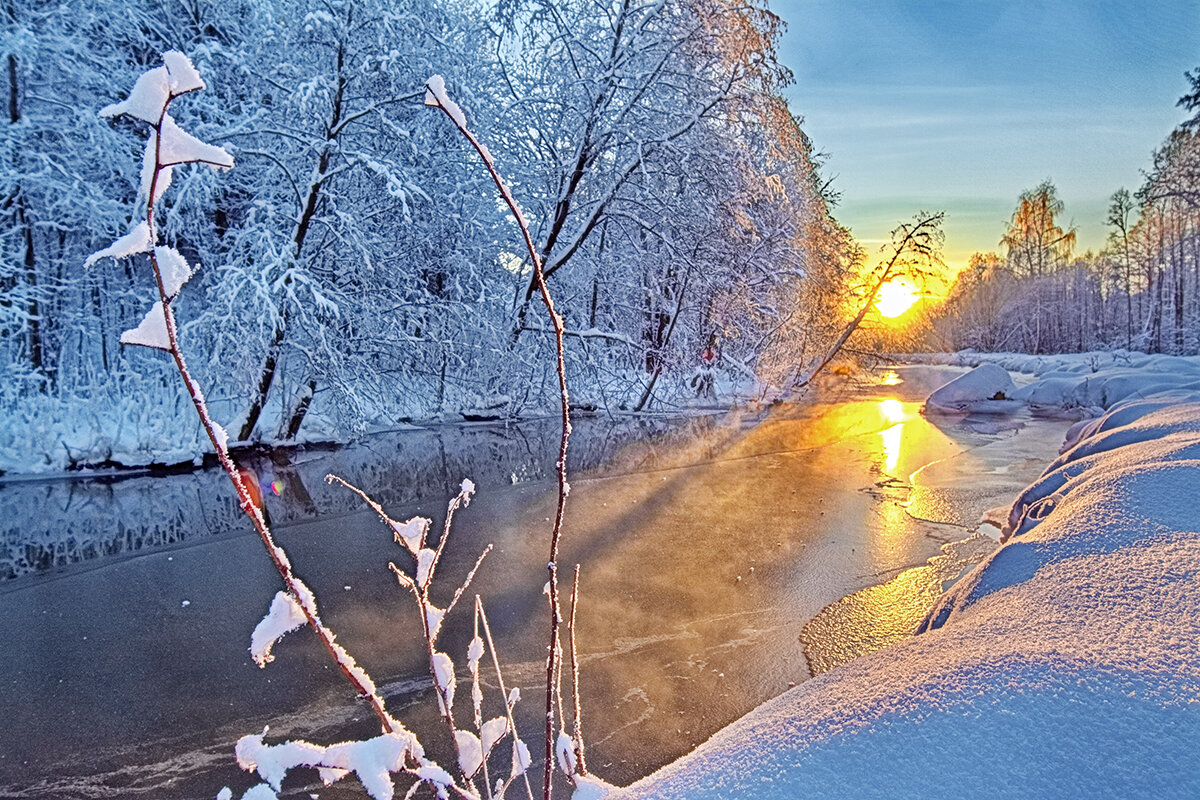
(512,724)
(304,597)
(578,722)
(435,95)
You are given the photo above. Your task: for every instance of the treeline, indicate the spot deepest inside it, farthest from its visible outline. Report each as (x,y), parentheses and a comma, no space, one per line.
(1141,292)
(355,266)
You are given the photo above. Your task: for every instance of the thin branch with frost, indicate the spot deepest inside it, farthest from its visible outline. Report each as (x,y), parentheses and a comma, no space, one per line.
(396,749)
(436,96)
(577,732)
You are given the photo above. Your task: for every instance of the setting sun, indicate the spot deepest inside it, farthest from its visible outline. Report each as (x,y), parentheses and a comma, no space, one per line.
(895,297)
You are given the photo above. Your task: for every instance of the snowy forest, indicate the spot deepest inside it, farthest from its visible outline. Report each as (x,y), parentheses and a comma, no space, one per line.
(406,228)
(1141,292)
(356,268)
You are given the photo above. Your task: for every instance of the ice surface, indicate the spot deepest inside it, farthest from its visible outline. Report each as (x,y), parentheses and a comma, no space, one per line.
(1074,650)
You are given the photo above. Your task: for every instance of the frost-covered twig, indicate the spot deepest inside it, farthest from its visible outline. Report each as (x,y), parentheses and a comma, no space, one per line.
(170,146)
(520,753)
(396,749)
(436,96)
(577,729)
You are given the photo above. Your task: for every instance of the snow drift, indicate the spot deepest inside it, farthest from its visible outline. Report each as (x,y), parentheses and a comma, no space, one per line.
(1067,664)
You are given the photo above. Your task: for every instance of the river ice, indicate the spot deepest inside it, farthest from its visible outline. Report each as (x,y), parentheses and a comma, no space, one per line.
(706,552)
(1065,665)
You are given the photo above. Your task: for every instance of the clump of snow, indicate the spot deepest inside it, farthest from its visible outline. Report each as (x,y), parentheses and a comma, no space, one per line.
(432,773)
(151,331)
(520,759)
(433,618)
(272,762)
(372,761)
(1066,665)
(425,559)
(470,752)
(147,99)
(985,389)
(412,533)
(180,147)
(443,673)
(492,732)
(564,750)
(183,76)
(435,95)
(284,617)
(154,88)
(136,241)
(174,268)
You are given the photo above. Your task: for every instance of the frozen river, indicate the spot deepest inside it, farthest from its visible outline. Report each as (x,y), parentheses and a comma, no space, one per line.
(724,560)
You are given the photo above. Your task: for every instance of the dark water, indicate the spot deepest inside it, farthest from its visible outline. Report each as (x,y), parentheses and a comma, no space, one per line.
(707,548)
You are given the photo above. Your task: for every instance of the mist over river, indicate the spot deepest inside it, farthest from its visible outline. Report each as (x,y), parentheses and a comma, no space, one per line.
(724,559)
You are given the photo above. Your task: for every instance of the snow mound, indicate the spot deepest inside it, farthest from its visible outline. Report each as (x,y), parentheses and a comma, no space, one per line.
(1066,665)
(985,389)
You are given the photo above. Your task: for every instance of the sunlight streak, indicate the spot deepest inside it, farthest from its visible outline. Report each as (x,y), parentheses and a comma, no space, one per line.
(892,411)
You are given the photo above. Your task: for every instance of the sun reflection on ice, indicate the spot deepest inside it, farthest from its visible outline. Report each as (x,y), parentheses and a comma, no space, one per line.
(892,411)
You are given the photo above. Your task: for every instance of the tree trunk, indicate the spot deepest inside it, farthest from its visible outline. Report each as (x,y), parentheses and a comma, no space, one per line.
(308,212)
(297,418)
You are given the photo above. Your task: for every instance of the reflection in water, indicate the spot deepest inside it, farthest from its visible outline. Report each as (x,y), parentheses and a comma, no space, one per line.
(892,410)
(46,525)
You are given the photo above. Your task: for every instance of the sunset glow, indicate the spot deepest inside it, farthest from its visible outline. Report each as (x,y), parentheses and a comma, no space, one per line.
(895,297)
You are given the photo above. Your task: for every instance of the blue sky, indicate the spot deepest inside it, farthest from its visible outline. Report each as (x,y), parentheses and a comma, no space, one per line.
(961,106)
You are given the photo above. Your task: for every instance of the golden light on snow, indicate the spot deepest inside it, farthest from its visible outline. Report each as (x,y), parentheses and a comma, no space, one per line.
(895,297)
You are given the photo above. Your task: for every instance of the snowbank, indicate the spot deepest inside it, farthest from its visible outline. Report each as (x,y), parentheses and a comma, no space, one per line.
(1074,384)
(1066,665)
(985,389)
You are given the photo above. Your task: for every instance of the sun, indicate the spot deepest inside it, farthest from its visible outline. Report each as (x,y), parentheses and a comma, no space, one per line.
(895,297)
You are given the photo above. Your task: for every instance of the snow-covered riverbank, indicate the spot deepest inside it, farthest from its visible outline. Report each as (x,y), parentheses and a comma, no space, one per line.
(1067,664)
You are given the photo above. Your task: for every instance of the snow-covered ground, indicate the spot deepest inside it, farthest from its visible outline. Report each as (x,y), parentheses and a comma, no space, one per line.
(1067,664)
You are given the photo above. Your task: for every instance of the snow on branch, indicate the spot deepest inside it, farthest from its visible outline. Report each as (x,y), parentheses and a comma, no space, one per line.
(285,616)
(180,147)
(156,87)
(174,269)
(151,331)
(136,241)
